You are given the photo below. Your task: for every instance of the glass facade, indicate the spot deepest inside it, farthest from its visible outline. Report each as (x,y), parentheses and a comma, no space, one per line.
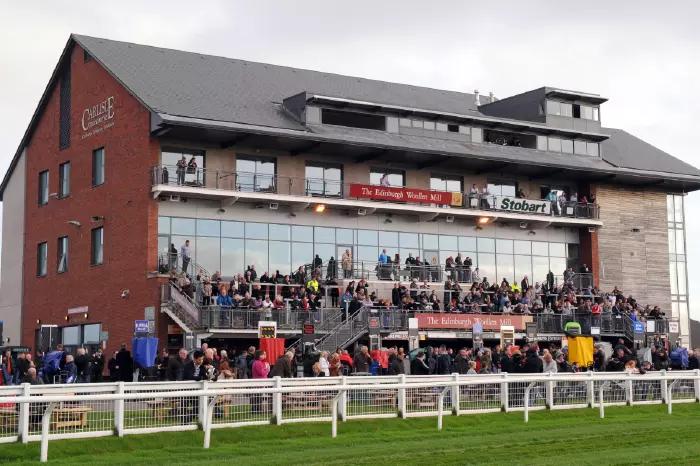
(229,247)
(677,261)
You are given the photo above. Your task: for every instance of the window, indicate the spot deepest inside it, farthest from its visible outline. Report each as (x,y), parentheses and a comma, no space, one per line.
(64,180)
(592,148)
(441,126)
(97,246)
(541,142)
(254,174)
(42,251)
(580,147)
(566,109)
(44,187)
(554,144)
(567,146)
(553,107)
(62,254)
(447,183)
(353,119)
(453,128)
(395,177)
(417,124)
(405,122)
(192,176)
(586,112)
(98,166)
(477,135)
(502,189)
(324,180)
(429,125)
(64,109)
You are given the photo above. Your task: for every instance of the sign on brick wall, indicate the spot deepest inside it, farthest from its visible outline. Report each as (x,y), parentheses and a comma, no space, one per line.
(411,195)
(98,117)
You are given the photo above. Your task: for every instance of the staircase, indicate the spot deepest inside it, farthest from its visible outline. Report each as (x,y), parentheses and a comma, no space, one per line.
(180,308)
(345,333)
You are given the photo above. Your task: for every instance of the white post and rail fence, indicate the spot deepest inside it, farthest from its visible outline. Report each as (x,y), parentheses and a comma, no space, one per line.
(53,412)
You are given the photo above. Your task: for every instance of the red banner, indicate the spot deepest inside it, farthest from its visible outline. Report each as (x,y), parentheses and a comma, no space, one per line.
(467,321)
(419,196)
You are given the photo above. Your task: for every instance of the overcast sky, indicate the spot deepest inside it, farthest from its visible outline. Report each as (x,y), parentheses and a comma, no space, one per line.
(643,55)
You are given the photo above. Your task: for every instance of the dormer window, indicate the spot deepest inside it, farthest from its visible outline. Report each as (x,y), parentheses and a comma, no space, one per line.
(565,109)
(353,119)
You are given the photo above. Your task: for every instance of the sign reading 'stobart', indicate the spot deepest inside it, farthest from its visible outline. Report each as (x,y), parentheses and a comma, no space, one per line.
(98,117)
(514,204)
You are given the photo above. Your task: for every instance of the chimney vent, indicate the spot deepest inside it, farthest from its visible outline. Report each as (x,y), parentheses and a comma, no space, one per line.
(492,99)
(476,97)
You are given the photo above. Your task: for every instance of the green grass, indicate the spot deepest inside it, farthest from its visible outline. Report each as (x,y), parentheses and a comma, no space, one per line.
(627,435)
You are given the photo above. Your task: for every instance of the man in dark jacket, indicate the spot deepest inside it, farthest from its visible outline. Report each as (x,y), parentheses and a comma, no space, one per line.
(617,362)
(283,366)
(362,360)
(444,364)
(533,362)
(419,366)
(82,364)
(461,365)
(126,364)
(395,365)
(195,369)
(176,366)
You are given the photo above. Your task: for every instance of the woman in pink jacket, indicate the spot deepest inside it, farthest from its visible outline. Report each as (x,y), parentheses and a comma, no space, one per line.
(259,403)
(261,368)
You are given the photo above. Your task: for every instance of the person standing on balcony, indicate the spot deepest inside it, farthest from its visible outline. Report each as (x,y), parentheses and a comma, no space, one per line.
(186,255)
(192,169)
(346,262)
(180,170)
(384,180)
(172,258)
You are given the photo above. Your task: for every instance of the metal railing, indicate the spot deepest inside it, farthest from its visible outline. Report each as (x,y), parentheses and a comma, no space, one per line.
(53,412)
(316,187)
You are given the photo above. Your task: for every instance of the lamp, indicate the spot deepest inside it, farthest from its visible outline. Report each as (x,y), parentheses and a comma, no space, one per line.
(320,208)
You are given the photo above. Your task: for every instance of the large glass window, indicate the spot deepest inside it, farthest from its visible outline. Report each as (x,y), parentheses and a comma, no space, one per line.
(388,239)
(408,240)
(97,246)
(208,228)
(256,230)
(232,229)
(42,252)
(302,253)
(43,187)
(163,225)
(430,242)
(523,267)
(304,234)
(540,269)
(256,254)
(91,333)
(232,257)
(580,147)
(467,243)
(280,257)
(504,264)
(71,335)
(486,245)
(487,266)
(280,232)
(345,236)
(98,166)
(394,178)
(255,174)
(448,242)
(62,254)
(209,253)
(193,171)
(324,235)
(183,226)
(324,251)
(64,180)
(367,237)
(449,183)
(324,180)
(501,188)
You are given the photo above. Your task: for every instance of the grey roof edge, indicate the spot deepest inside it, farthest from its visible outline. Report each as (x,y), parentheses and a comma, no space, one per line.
(35,116)
(302,134)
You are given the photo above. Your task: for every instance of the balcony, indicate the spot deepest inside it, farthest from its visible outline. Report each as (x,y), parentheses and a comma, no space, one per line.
(301,193)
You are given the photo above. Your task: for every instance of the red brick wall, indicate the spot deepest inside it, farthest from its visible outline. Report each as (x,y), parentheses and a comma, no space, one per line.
(130,214)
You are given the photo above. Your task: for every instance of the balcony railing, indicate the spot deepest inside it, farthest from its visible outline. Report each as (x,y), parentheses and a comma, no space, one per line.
(334,189)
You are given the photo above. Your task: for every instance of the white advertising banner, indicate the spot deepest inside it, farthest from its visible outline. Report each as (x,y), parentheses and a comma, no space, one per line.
(526,206)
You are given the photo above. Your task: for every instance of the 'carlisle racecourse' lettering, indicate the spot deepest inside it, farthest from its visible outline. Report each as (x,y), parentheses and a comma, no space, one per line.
(97,117)
(522,205)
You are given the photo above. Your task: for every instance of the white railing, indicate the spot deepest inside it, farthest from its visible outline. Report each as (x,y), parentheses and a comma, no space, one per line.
(51,412)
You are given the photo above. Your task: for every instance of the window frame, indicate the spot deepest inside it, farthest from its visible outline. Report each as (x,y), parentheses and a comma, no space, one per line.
(99,150)
(42,259)
(43,191)
(63,179)
(62,252)
(93,259)
(390,171)
(323,166)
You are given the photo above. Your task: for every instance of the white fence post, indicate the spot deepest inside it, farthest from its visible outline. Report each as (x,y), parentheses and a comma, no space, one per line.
(455,395)
(504,392)
(441,401)
(696,383)
(629,389)
(343,404)
(119,411)
(203,403)
(601,388)
(402,396)
(591,390)
(664,387)
(45,425)
(207,427)
(550,392)
(23,427)
(277,402)
(670,396)
(334,412)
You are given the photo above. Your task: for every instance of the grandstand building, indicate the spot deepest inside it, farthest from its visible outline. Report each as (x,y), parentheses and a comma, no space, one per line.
(283,165)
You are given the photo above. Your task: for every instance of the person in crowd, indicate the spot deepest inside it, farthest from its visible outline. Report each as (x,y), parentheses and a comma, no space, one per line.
(346,264)
(324,363)
(549,364)
(419,366)
(316,370)
(186,255)
(334,365)
(97,365)
(176,366)
(362,360)
(283,366)
(181,170)
(126,364)
(82,365)
(70,372)
(395,364)
(113,367)
(162,364)
(241,365)
(461,363)
(260,367)
(195,369)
